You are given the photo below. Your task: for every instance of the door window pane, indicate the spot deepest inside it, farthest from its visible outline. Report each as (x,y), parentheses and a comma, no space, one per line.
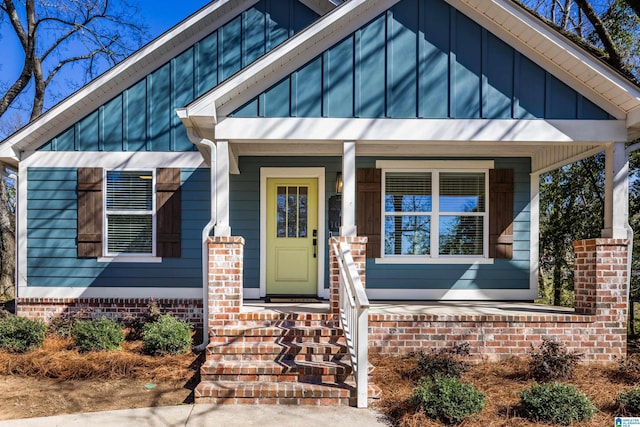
(292,211)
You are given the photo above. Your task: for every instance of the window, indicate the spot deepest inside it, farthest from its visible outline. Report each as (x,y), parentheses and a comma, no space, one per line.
(129,215)
(129,203)
(435,213)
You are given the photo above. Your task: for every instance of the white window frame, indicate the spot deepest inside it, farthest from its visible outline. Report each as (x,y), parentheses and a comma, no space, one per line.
(129,257)
(436,168)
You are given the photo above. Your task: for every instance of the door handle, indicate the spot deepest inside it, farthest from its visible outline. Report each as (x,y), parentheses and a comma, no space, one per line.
(315,243)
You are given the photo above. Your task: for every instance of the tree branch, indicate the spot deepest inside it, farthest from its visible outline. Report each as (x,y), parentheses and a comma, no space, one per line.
(603,34)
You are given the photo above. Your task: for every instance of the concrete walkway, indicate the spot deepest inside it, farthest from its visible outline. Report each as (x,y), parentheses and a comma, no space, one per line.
(209,415)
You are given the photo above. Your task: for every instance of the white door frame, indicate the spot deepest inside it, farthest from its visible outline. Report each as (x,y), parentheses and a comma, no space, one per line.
(286,172)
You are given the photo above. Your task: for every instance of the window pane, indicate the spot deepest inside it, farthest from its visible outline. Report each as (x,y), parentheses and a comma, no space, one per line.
(130,234)
(302,212)
(407,235)
(461,235)
(281,214)
(292,212)
(462,192)
(129,190)
(407,192)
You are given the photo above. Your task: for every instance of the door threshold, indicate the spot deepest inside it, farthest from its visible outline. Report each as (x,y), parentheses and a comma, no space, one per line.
(279,299)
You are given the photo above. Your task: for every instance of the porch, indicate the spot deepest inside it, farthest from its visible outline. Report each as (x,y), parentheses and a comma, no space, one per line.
(311,350)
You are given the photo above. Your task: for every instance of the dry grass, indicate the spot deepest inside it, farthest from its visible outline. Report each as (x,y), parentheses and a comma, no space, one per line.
(59,360)
(502,383)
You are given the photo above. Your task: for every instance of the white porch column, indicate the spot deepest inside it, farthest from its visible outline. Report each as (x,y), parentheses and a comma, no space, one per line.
(348,228)
(222,227)
(616,202)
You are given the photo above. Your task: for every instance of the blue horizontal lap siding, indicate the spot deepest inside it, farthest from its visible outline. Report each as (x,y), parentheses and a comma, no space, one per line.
(142,118)
(52,231)
(422,59)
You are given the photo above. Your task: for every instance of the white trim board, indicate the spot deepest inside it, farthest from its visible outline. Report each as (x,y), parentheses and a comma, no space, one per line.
(433,130)
(453,294)
(114,160)
(311,172)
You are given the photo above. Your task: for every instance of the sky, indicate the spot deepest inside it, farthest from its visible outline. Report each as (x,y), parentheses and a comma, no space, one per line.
(157,15)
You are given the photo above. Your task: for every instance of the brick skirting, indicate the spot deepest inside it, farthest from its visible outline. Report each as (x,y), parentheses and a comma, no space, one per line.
(598,329)
(495,337)
(45,309)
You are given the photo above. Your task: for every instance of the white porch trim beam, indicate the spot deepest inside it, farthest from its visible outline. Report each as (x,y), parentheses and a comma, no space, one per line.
(347,129)
(223,227)
(616,202)
(348,227)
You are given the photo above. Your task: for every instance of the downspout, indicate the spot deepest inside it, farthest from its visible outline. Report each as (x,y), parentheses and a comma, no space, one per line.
(206,231)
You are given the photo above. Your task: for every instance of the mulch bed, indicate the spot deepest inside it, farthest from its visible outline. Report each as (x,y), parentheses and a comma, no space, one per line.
(58,359)
(502,383)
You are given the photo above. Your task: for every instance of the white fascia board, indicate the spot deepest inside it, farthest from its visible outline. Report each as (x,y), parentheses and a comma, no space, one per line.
(398,130)
(287,57)
(545,40)
(139,159)
(125,74)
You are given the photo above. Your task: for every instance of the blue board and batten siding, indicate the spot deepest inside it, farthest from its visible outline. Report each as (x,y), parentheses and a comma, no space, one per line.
(422,59)
(143,118)
(52,248)
(502,274)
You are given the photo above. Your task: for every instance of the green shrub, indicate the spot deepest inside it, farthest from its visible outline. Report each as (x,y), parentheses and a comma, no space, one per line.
(167,335)
(447,399)
(97,335)
(19,334)
(445,362)
(552,361)
(556,403)
(629,402)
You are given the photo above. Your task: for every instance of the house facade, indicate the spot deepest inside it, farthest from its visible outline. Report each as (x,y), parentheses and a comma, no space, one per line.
(422,125)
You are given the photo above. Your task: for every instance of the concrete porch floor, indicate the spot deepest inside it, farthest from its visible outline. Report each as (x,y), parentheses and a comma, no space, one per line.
(446,308)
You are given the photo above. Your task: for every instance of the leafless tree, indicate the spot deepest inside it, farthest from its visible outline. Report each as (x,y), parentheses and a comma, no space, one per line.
(90,34)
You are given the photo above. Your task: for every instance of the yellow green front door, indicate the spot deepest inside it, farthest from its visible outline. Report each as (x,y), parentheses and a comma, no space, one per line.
(292,236)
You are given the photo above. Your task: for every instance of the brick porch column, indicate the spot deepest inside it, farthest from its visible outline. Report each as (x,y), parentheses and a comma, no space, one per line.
(600,287)
(226,256)
(358,246)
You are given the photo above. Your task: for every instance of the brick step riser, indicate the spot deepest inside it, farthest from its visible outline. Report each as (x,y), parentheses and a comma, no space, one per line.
(277,333)
(310,379)
(325,401)
(274,369)
(276,324)
(276,349)
(222,341)
(270,357)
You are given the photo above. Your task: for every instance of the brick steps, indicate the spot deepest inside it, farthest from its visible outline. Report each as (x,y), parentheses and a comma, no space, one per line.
(277,358)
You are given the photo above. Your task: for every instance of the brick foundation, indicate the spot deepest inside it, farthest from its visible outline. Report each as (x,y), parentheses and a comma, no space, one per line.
(226,255)
(358,246)
(598,329)
(45,309)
